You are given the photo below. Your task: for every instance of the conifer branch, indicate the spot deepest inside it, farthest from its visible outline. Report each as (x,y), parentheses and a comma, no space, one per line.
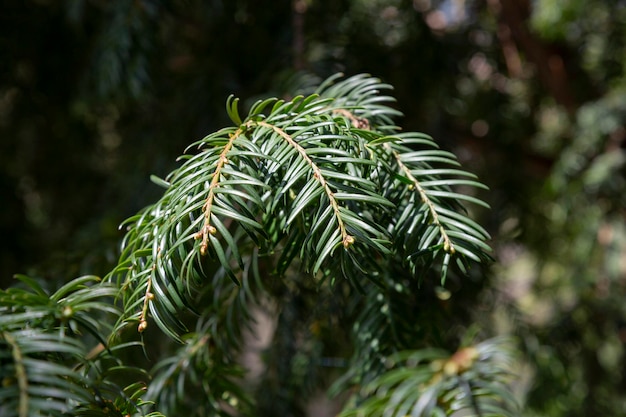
(274,190)
(448,246)
(346,239)
(207,228)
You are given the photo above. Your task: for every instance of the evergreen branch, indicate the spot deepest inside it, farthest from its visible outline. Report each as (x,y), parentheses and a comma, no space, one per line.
(204,368)
(207,228)
(157,248)
(346,239)
(431,220)
(48,371)
(429,382)
(302,180)
(448,246)
(317,172)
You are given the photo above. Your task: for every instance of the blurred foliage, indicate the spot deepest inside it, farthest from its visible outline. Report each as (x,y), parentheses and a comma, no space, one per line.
(95,96)
(45,363)
(430,382)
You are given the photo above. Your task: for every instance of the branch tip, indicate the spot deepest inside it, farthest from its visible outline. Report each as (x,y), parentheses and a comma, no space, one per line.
(143,325)
(348,241)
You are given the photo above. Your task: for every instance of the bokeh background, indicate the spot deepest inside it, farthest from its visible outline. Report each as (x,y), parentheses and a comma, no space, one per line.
(96,95)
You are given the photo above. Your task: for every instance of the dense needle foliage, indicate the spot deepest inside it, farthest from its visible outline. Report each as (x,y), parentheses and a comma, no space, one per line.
(321,191)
